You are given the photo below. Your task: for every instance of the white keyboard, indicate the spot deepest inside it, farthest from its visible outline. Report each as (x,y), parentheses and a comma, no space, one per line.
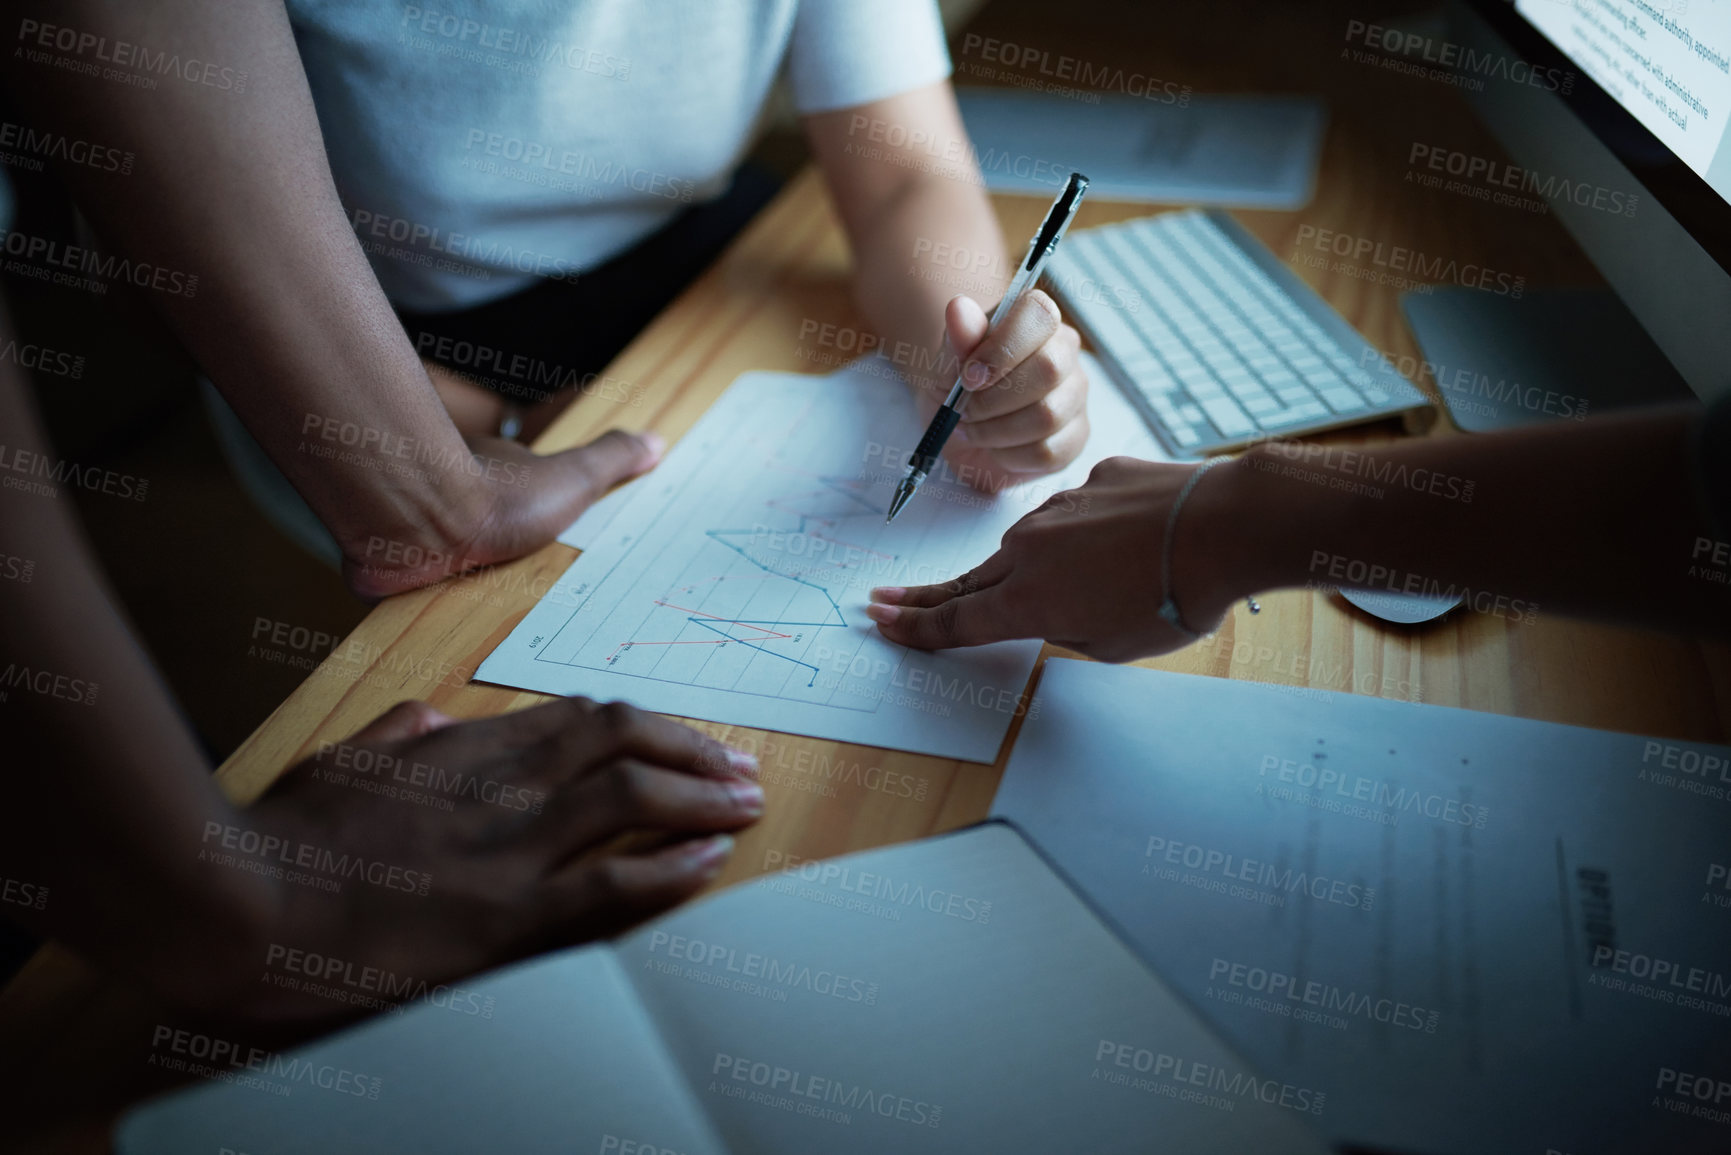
(1215,341)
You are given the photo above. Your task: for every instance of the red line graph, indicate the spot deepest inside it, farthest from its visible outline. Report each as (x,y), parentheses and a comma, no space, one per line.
(701,614)
(719,618)
(627,645)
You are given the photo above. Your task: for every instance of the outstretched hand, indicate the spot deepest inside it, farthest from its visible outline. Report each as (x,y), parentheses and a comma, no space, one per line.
(1083,572)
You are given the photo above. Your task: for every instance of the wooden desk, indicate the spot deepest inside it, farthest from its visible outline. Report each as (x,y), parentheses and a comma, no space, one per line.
(74,1048)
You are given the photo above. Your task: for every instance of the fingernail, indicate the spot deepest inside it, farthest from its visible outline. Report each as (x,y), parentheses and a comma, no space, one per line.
(883,615)
(708,854)
(655,443)
(975,373)
(747,796)
(889,595)
(740,762)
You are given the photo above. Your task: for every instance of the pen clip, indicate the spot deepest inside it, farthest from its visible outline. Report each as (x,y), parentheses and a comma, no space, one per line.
(1057,220)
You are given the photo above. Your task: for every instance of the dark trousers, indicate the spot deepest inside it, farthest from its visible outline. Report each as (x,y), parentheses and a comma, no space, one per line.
(561,332)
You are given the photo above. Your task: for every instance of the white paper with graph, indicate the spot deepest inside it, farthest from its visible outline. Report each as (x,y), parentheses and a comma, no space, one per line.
(731,583)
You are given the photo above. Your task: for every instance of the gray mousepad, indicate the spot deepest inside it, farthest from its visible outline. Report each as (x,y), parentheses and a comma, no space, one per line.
(1552,354)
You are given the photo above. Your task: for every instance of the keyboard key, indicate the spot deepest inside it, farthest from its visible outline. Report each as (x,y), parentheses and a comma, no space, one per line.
(1228,417)
(1280,419)
(1342,400)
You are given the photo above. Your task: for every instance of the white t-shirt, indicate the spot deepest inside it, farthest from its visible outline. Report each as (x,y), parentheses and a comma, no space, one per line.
(478,145)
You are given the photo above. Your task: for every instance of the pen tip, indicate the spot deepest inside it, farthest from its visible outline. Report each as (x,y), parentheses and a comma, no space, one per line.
(905,490)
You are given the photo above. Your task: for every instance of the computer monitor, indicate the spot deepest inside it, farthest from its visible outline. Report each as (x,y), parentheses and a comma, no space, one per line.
(1632,100)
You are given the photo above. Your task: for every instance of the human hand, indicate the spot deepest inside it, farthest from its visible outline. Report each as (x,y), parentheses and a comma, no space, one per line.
(527,858)
(1084,571)
(508,501)
(1028,414)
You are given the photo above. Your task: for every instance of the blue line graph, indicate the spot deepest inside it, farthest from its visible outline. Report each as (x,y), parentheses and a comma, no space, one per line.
(762,633)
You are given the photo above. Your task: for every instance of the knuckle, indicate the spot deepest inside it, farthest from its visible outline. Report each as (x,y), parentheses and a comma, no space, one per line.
(626,786)
(711,757)
(412,713)
(1115,466)
(1051,366)
(967,583)
(617,718)
(590,482)
(1044,455)
(610,880)
(714,798)
(1046,419)
(944,620)
(1042,302)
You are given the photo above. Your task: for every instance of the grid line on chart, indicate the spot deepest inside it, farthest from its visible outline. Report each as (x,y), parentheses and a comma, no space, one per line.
(763,630)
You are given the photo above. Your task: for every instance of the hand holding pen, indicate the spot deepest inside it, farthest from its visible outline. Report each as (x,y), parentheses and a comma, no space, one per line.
(943,424)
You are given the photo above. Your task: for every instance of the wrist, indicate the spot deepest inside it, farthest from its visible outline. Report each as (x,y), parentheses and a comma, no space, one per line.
(430,536)
(1218,546)
(1276,521)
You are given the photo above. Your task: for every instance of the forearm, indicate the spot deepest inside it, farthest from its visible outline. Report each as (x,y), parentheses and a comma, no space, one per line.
(1598,519)
(936,238)
(233,188)
(919,223)
(110,817)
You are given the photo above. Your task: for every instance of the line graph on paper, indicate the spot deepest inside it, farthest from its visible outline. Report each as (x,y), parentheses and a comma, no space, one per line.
(731,582)
(743,564)
(756,607)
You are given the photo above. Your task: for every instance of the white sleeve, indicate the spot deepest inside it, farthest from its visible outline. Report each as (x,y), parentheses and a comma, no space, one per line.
(848,52)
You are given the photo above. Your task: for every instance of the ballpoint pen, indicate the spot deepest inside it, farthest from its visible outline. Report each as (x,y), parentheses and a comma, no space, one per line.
(1040,250)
